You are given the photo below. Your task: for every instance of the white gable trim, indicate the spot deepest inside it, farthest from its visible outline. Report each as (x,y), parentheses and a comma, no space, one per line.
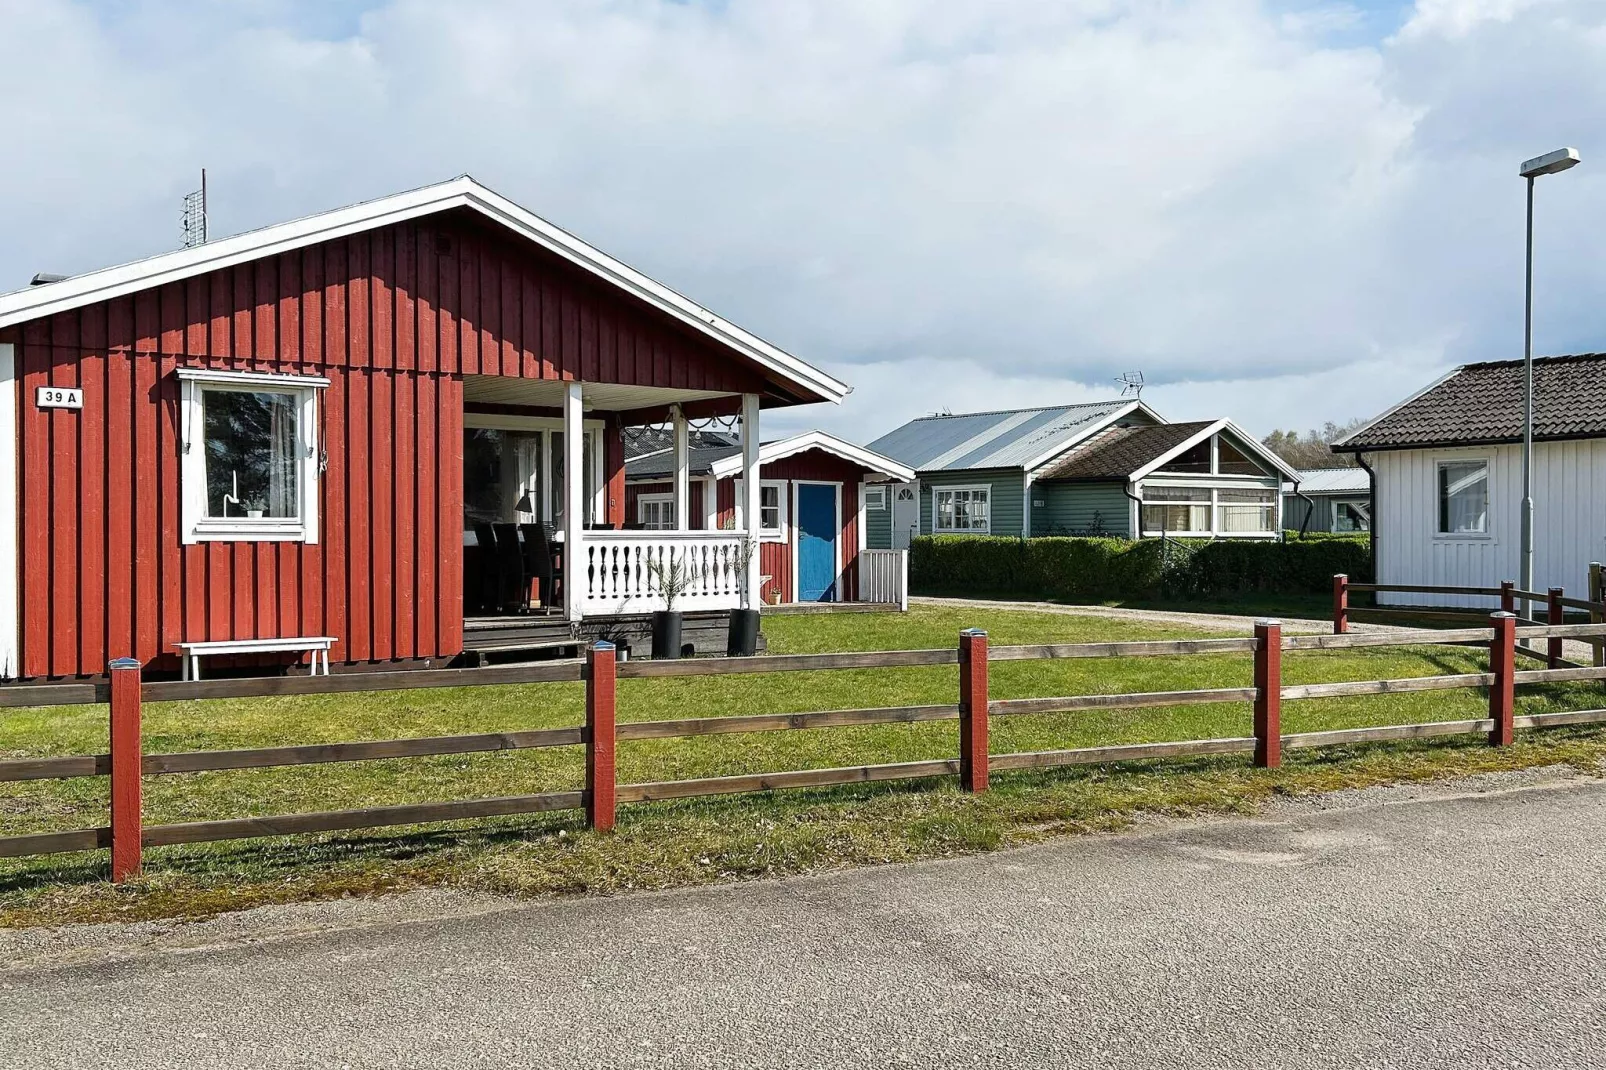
(1218,426)
(726,467)
(462,192)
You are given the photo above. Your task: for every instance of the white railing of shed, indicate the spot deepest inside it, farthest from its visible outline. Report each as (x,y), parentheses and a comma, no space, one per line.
(884,577)
(616,572)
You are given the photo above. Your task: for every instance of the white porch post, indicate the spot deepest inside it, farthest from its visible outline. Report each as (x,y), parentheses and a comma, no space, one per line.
(710,503)
(10,516)
(682,470)
(574,551)
(750,495)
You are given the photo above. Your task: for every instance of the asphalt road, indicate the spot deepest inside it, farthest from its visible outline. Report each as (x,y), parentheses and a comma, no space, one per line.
(1397,929)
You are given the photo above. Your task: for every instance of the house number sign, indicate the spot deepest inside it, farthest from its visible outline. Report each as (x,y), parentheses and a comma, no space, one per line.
(60,397)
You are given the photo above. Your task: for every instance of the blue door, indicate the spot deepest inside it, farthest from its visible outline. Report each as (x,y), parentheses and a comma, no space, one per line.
(817,532)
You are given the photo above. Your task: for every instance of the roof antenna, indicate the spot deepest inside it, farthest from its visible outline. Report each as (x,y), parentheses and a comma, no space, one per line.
(194,219)
(1131,384)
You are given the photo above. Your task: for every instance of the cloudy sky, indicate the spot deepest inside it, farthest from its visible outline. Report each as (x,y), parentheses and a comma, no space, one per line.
(1284,211)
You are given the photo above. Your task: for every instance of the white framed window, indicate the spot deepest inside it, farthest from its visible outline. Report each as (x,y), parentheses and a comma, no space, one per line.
(656,512)
(772,509)
(1463,493)
(1176,510)
(249,456)
(875,497)
(513,469)
(1351,516)
(961,509)
(1248,510)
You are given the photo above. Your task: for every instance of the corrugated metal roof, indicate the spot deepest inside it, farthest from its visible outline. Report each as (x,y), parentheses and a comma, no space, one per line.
(1334,481)
(1479,404)
(1010,438)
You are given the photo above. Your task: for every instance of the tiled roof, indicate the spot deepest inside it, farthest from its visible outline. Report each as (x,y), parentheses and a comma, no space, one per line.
(641,441)
(1479,404)
(1006,439)
(1120,451)
(662,463)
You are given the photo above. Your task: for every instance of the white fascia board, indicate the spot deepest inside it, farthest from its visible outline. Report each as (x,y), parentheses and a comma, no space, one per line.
(37,301)
(1392,409)
(1261,451)
(1181,447)
(726,467)
(1081,436)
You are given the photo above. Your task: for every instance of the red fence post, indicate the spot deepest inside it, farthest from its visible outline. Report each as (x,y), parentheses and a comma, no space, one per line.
(600,776)
(1268,694)
(1508,597)
(127,763)
(1503,692)
(1340,604)
(1556,614)
(973,709)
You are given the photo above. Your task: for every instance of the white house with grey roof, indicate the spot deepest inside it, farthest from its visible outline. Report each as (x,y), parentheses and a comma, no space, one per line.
(1446,468)
(1101,468)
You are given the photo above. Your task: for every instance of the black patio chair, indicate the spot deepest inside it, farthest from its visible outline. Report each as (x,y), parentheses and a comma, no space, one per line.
(486,590)
(513,585)
(538,564)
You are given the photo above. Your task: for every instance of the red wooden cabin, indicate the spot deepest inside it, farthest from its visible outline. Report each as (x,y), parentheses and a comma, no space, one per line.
(272,432)
(813,496)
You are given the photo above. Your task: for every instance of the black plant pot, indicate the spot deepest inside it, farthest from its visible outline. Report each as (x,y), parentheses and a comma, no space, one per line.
(666,634)
(742,638)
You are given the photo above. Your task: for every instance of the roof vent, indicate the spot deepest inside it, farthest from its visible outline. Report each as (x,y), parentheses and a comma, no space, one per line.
(45,278)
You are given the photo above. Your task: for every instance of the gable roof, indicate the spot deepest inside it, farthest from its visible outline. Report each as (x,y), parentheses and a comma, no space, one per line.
(1119,451)
(1334,481)
(724,461)
(1130,453)
(817,440)
(461,192)
(1011,438)
(1482,404)
(646,441)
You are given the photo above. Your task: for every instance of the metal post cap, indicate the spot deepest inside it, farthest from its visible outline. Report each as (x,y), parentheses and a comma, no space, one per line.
(1500,614)
(124,663)
(602,644)
(1269,623)
(980,632)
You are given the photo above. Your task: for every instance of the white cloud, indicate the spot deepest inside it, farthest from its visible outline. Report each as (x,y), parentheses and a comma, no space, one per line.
(948,203)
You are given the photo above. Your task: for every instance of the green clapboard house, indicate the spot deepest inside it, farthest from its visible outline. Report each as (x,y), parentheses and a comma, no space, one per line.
(1103,468)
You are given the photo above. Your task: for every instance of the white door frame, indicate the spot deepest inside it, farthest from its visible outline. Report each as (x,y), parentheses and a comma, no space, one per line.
(10,515)
(797,593)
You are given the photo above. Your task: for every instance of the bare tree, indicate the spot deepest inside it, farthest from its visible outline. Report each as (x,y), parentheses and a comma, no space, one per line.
(1311,450)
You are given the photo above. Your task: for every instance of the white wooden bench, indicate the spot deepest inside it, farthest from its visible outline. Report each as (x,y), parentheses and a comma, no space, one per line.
(194,652)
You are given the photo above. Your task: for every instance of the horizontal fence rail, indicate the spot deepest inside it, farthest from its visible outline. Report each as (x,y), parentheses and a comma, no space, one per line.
(125,765)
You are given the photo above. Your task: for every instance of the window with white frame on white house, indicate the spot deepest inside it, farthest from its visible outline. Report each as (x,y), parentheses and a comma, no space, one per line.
(961,509)
(1463,497)
(250,463)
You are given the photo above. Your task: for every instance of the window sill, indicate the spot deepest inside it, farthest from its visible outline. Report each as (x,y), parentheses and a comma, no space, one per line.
(246,531)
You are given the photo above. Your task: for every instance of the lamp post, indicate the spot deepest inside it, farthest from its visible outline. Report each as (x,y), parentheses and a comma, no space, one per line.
(1549,164)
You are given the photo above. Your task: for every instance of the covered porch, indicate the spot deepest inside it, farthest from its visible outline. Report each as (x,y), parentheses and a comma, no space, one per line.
(544,522)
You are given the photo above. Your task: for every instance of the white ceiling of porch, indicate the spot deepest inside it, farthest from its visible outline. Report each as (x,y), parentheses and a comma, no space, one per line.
(548,393)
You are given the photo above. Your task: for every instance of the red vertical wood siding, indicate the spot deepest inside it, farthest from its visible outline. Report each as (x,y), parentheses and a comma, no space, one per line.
(394,318)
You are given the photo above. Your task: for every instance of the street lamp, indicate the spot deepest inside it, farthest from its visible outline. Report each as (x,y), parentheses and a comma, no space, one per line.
(1549,164)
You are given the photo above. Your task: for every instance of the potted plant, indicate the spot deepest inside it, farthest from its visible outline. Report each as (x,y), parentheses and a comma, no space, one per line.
(741,634)
(674,576)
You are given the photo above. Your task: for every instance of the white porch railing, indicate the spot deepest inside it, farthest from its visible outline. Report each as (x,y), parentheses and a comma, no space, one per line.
(617,573)
(884,577)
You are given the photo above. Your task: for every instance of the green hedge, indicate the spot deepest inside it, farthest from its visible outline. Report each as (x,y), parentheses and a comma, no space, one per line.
(1096,569)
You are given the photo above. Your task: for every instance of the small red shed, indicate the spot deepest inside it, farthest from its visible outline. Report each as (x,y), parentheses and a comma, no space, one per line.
(292,436)
(814,491)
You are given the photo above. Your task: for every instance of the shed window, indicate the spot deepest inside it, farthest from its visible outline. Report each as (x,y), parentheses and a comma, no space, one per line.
(250,456)
(656,512)
(1351,516)
(961,509)
(771,509)
(1463,497)
(875,497)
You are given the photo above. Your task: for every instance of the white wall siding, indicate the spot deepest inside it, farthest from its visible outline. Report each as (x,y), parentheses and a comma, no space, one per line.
(1569,520)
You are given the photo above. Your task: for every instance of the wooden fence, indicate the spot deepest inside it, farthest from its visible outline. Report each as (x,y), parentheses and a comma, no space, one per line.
(1508,594)
(126,763)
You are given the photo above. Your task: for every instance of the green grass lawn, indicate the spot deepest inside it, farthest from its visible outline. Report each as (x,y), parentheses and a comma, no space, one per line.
(721,838)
